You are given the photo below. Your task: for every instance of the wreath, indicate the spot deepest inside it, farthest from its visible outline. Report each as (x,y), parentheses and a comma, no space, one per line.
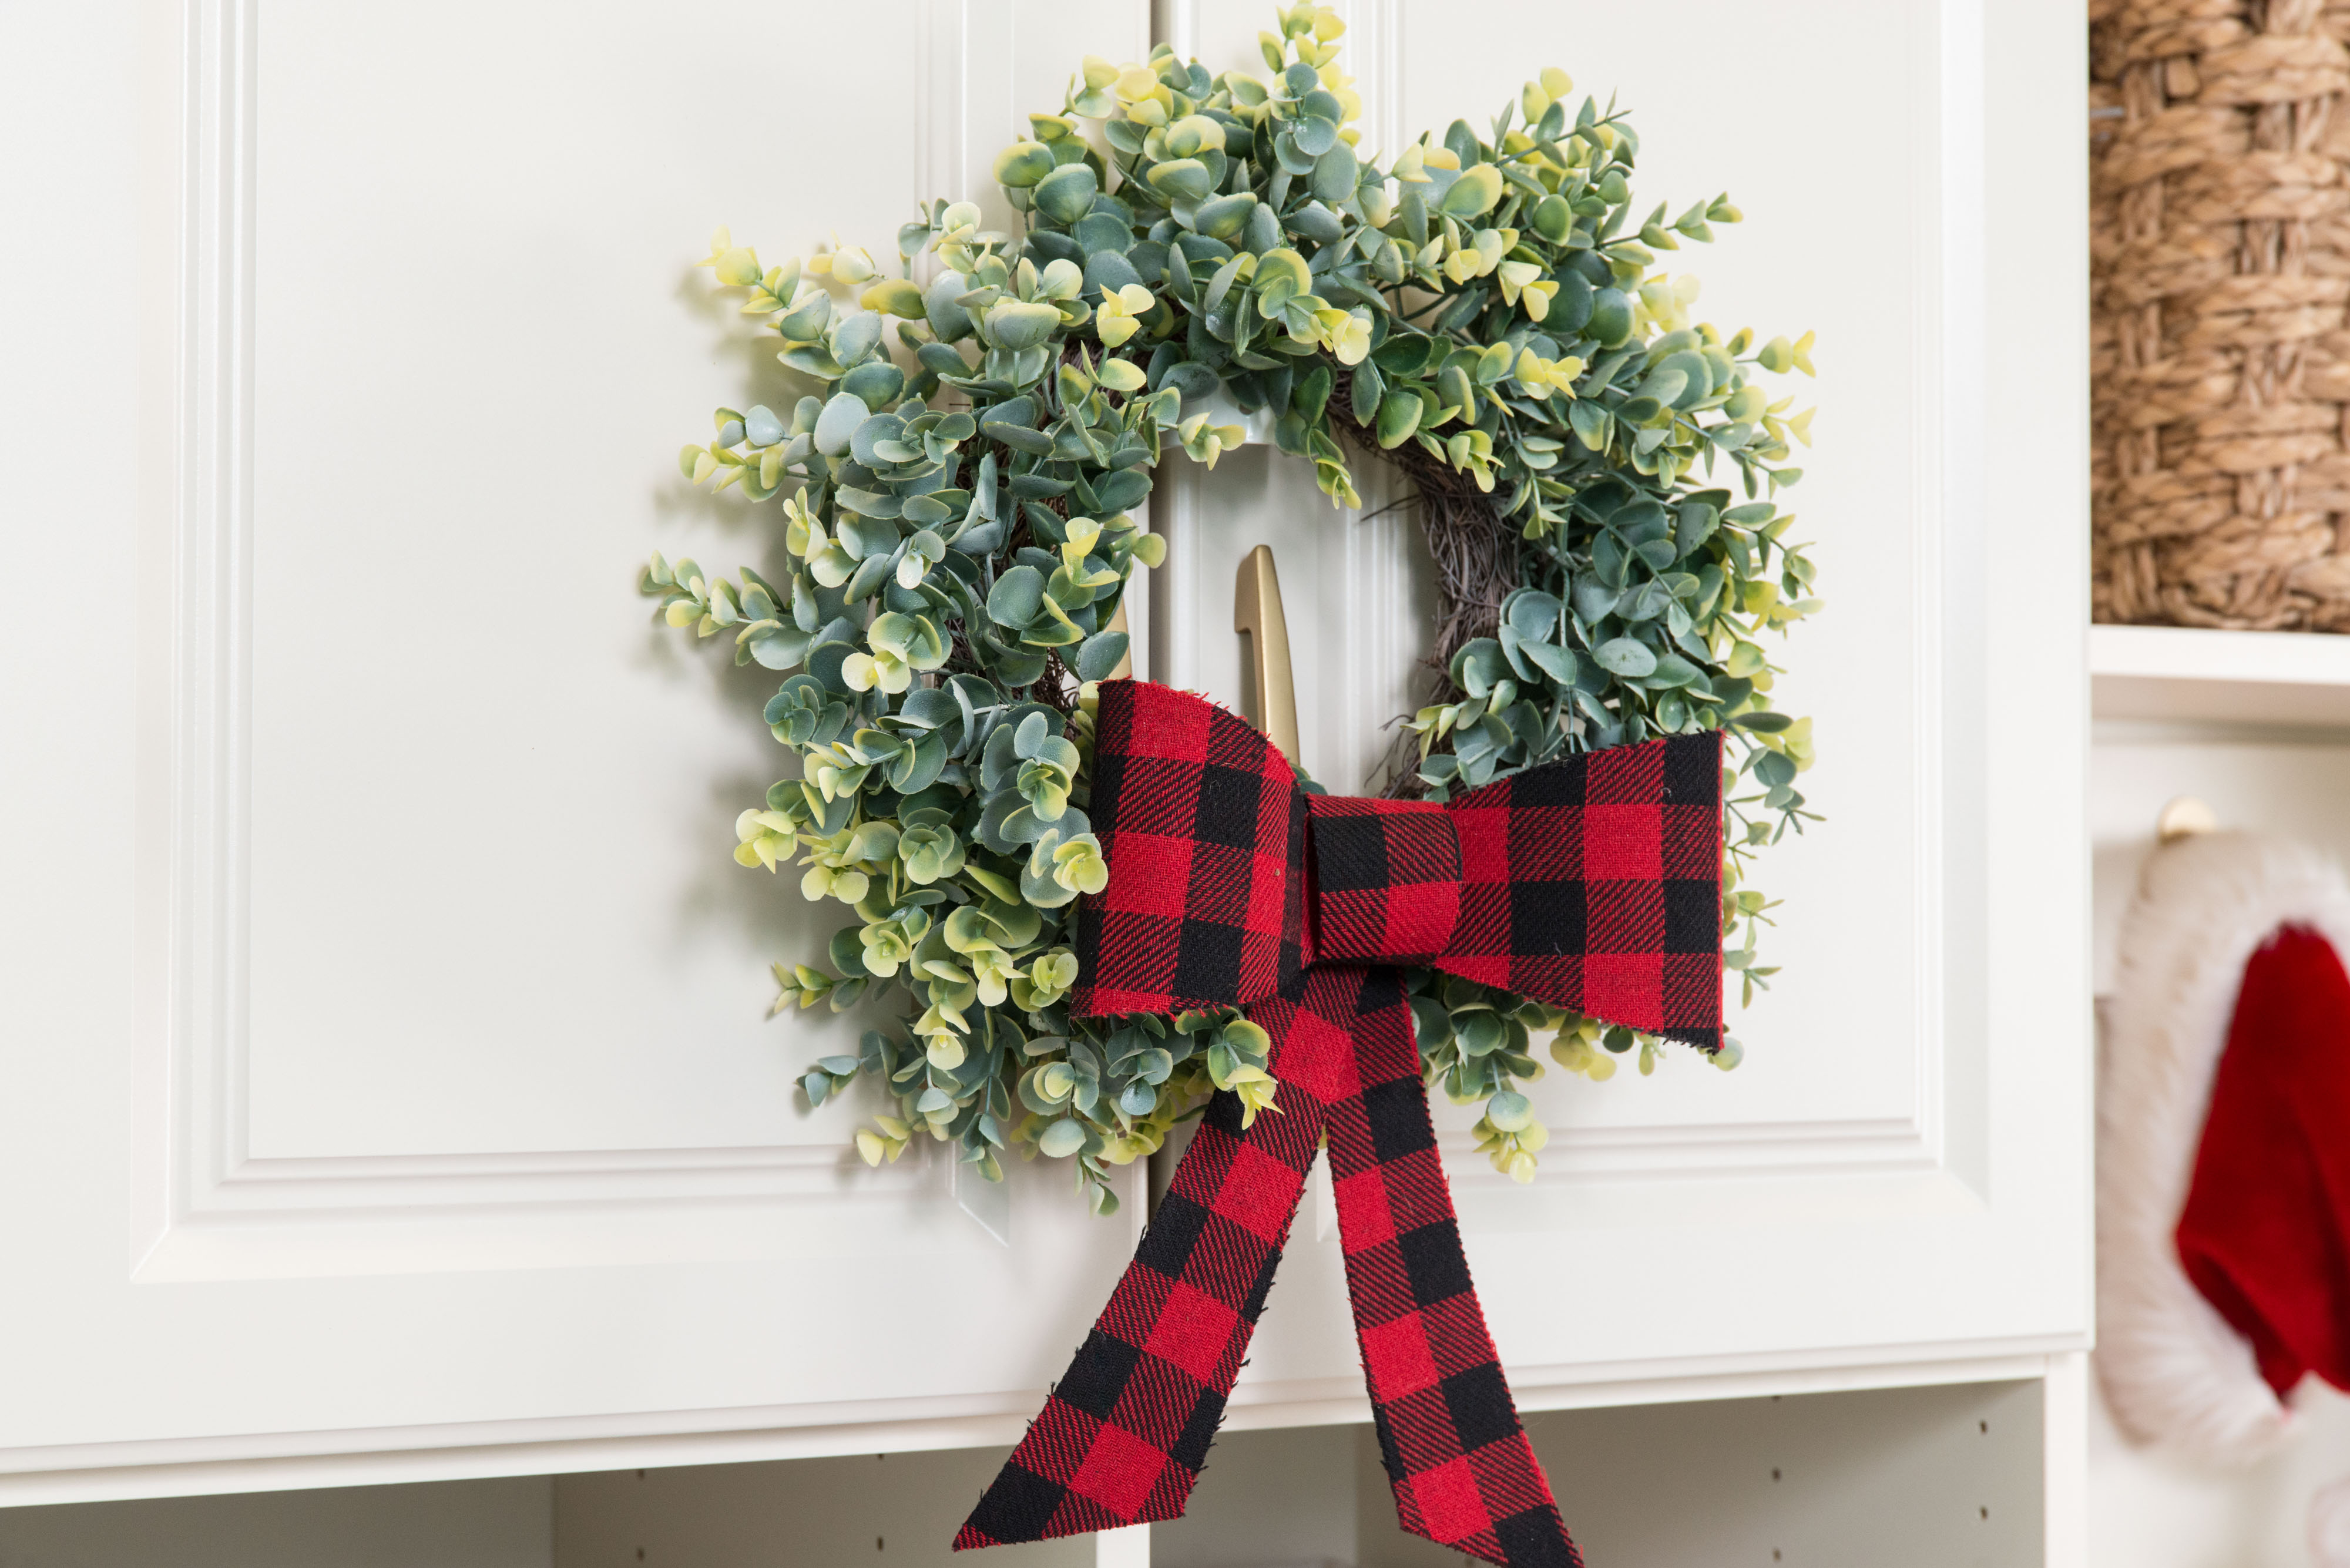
(1485,313)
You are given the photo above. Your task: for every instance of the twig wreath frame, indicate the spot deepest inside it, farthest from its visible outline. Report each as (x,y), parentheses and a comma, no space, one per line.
(1483,312)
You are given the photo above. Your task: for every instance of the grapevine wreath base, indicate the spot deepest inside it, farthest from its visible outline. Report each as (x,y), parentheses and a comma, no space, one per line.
(958,488)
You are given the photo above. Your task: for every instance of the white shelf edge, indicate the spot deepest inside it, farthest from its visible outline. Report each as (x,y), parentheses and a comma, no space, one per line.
(2192,653)
(2168,674)
(468,1450)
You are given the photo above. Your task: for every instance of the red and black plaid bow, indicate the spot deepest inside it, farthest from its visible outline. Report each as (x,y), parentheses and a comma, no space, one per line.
(1593,883)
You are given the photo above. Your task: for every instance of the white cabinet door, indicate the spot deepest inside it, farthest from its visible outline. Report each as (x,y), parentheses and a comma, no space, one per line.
(383,1087)
(383,1065)
(1894,1186)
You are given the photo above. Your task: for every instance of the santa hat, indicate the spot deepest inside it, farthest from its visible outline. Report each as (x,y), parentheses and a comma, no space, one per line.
(2223,1155)
(2261,1235)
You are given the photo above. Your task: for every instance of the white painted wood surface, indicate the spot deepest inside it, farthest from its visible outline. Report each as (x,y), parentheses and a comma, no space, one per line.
(508,1523)
(1923,1478)
(2186,674)
(386,1095)
(390,1089)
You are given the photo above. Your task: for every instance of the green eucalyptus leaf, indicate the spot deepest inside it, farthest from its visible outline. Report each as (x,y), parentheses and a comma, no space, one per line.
(854,338)
(1193,380)
(1625,656)
(1017,597)
(1062,1138)
(1315,222)
(1066,194)
(1336,174)
(838,422)
(1553,661)
(1672,670)
(807,321)
(1225,217)
(1473,195)
(1532,614)
(1611,318)
(1013,411)
(1022,165)
(1510,1111)
(1400,416)
(1098,656)
(876,383)
(1181,179)
(1015,325)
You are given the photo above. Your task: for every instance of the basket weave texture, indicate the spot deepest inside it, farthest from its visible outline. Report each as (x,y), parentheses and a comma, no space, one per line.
(2220,320)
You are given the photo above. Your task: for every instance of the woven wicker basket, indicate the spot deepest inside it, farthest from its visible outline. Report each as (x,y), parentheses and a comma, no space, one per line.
(2220,347)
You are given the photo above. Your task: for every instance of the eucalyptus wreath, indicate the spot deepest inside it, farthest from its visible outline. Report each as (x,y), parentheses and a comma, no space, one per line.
(958,523)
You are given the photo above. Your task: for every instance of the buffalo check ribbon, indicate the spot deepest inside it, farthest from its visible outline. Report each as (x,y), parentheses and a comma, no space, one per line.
(1592,883)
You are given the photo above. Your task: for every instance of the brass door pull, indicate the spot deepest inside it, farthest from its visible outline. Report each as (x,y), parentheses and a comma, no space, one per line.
(1256,610)
(1125,660)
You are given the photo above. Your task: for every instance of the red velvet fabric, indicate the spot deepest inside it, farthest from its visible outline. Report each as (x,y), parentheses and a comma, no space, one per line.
(2265,1230)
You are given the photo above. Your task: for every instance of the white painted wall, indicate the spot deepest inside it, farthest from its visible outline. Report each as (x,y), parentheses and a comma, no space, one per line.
(1293,1496)
(887,1510)
(2149,1512)
(1903,1478)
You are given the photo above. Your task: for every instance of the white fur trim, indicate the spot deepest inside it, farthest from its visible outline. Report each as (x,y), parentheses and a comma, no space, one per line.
(2175,1375)
(2329,1526)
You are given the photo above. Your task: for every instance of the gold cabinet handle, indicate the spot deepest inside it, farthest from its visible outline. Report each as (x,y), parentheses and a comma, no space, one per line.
(1125,660)
(1256,610)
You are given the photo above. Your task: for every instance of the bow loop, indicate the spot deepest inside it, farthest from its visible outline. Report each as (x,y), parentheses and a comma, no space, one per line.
(1203,827)
(1594,883)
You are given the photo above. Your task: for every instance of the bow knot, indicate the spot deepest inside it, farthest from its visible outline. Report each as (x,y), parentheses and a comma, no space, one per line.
(1386,879)
(1592,883)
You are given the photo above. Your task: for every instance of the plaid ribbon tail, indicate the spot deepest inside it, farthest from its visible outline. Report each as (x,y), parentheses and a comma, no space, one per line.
(1464,1473)
(1126,1431)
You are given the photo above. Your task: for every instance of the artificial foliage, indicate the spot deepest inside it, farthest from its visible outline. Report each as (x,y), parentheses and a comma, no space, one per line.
(959,495)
